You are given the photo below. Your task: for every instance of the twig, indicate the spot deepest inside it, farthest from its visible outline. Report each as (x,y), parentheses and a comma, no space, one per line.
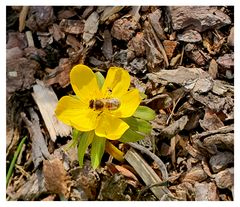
(160,163)
(12,165)
(30,39)
(182,53)
(22,17)
(222,130)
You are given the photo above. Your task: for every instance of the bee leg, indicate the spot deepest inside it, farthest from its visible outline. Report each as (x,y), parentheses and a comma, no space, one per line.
(99,113)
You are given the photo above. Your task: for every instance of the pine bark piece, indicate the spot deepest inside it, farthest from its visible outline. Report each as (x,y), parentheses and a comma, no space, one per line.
(154,19)
(124,28)
(199,18)
(230,39)
(20,74)
(190,36)
(195,174)
(32,189)
(47,100)
(213,69)
(182,76)
(39,147)
(90,27)
(72,26)
(226,61)
(108,12)
(225,179)
(107,48)
(40,17)
(211,121)
(221,161)
(147,174)
(174,128)
(206,192)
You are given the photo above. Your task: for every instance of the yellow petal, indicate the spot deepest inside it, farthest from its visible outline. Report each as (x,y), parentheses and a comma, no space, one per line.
(110,127)
(84,82)
(117,82)
(129,103)
(75,113)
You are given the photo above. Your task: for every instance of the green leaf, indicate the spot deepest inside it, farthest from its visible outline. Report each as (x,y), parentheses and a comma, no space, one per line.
(139,125)
(85,140)
(74,141)
(100,79)
(97,150)
(131,136)
(15,156)
(144,112)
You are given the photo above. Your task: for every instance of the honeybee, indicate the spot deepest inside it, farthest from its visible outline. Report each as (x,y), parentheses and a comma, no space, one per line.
(104,103)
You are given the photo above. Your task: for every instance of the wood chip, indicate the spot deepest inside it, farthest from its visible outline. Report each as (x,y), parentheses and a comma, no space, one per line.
(47,101)
(32,188)
(190,36)
(225,179)
(66,14)
(211,121)
(109,11)
(220,141)
(206,191)
(136,46)
(56,32)
(127,173)
(14,53)
(200,18)
(180,76)
(230,39)
(30,39)
(86,179)
(154,19)
(20,74)
(174,128)
(226,61)
(195,174)
(221,161)
(16,39)
(195,54)
(124,28)
(60,74)
(39,147)
(90,27)
(213,69)
(107,48)
(72,26)
(40,17)
(170,47)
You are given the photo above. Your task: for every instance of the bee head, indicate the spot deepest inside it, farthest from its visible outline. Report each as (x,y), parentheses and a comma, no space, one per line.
(91,103)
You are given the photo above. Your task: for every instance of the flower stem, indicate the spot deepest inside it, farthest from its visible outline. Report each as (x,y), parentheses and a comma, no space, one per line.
(114,151)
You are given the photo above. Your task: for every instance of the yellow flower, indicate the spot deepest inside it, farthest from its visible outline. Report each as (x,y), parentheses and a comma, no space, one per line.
(83,111)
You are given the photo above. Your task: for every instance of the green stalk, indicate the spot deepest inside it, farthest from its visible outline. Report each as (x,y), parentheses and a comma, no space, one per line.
(12,165)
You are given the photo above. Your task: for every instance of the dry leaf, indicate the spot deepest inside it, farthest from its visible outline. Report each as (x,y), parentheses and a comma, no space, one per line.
(56,179)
